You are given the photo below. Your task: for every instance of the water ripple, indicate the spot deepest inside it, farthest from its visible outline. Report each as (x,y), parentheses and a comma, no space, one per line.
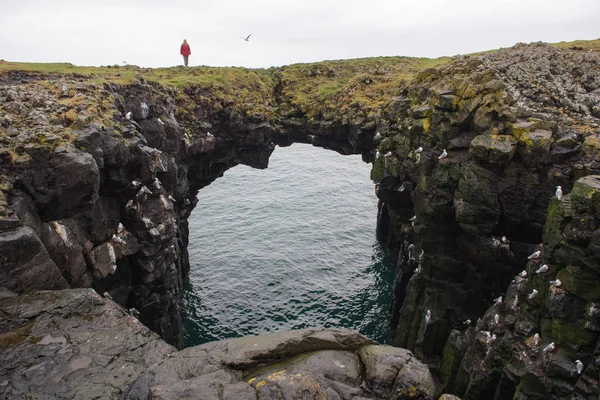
(289,247)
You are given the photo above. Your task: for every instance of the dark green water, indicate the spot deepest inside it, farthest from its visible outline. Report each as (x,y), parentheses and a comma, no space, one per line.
(289,247)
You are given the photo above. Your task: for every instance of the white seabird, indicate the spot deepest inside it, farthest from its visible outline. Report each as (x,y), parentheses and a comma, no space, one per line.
(172,198)
(142,191)
(536,339)
(135,183)
(413,218)
(467,322)
(388,154)
(535,254)
(120,228)
(579,366)
(419,150)
(377,155)
(505,240)
(128,115)
(515,303)
(421,255)
(210,135)
(542,270)
(134,312)
(427,317)
(498,301)
(550,348)
(157,185)
(495,242)
(497,319)
(377,137)
(117,239)
(107,295)
(443,155)
(523,274)
(556,283)
(559,192)
(532,294)
(160,122)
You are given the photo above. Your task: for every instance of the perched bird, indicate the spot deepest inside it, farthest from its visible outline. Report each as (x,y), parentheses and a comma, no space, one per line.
(550,348)
(497,319)
(172,198)
(532,294)
(443,155)
(377,155)
(536,339)
(130,205)
(117,239)
(210,135)
(427,317)
(120,228)
(135,183)
(556,283)
(107,295)
(377,137)
(157,184)
(142,191)
(247,38)
(535,254)
(134,312)
(498,301)
(542,270)
(515,303)
(505,240)
(467,322)
(579,367)
(413,218)
(402,188)
(490,338)
(523,274)
(128,115)
(559,192)
(388,154)
(495,242)
(419,150)
(421,255)
(160,122)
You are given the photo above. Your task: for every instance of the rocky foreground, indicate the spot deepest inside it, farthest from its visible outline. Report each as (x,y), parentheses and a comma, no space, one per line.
(100,169)
(74,344)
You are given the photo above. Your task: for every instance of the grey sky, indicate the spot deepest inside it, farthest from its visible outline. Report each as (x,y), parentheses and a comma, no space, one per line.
(149,32)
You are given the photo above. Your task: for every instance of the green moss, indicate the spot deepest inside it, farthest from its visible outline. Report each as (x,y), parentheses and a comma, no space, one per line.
(582,282)
(571,336)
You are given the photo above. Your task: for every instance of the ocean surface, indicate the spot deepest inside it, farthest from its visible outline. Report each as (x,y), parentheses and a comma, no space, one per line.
(289,247)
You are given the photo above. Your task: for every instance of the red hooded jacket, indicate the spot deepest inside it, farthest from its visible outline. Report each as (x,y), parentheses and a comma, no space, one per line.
(185,50)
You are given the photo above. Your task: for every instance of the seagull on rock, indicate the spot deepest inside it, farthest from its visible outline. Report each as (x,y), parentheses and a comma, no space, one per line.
(117,239)
(144,190)
(523,274)
(419,150)
(579,367)
(157,184)
(534,255)
(377,137)
(533,294)
(497,319)
(443,155)
(559,192)
(536,339)
(413,218)
(557,283)
(172,198)
(120,228)
(160,122)
(128,116)
(377,155)
(467,322)
(427,317)
(542,270)
(498,301)
(505,240)
(550,348)
(107,295)
(135,183)
(388,154)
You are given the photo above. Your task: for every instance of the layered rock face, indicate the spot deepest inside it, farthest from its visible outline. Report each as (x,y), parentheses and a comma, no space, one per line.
(514,125)
(76,344)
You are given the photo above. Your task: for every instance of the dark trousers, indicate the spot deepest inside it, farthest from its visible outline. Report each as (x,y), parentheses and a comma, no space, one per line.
(185,60)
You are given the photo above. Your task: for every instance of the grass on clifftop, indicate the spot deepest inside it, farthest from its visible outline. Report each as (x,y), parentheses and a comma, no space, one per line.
(347,91)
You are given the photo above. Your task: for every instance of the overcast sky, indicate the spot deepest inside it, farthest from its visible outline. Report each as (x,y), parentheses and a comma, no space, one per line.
(149,32)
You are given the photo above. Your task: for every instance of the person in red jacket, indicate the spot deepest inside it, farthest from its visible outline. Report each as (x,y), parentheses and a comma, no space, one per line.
(185,51)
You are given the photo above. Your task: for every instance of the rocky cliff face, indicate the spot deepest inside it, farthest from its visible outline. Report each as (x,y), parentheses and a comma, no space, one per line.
(514,125)
(98,180)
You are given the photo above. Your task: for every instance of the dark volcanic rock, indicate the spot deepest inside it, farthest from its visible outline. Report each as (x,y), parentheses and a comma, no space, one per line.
(75,344)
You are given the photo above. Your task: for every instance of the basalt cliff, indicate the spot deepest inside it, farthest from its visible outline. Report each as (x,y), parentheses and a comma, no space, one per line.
(100,171)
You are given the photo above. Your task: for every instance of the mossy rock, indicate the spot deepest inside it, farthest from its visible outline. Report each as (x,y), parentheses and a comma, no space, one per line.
(585,195)
(420,126)
(571,335)
(555,221)
(448,102)
(582,282)
(378,170)
(493,149)
(534,147)
(591,146)
(521,127)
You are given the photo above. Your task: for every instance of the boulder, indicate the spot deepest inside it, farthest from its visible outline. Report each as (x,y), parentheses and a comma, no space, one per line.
(497,150)
(534,147)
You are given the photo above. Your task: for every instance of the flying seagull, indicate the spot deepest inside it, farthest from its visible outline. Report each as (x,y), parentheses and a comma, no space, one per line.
(247,38)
